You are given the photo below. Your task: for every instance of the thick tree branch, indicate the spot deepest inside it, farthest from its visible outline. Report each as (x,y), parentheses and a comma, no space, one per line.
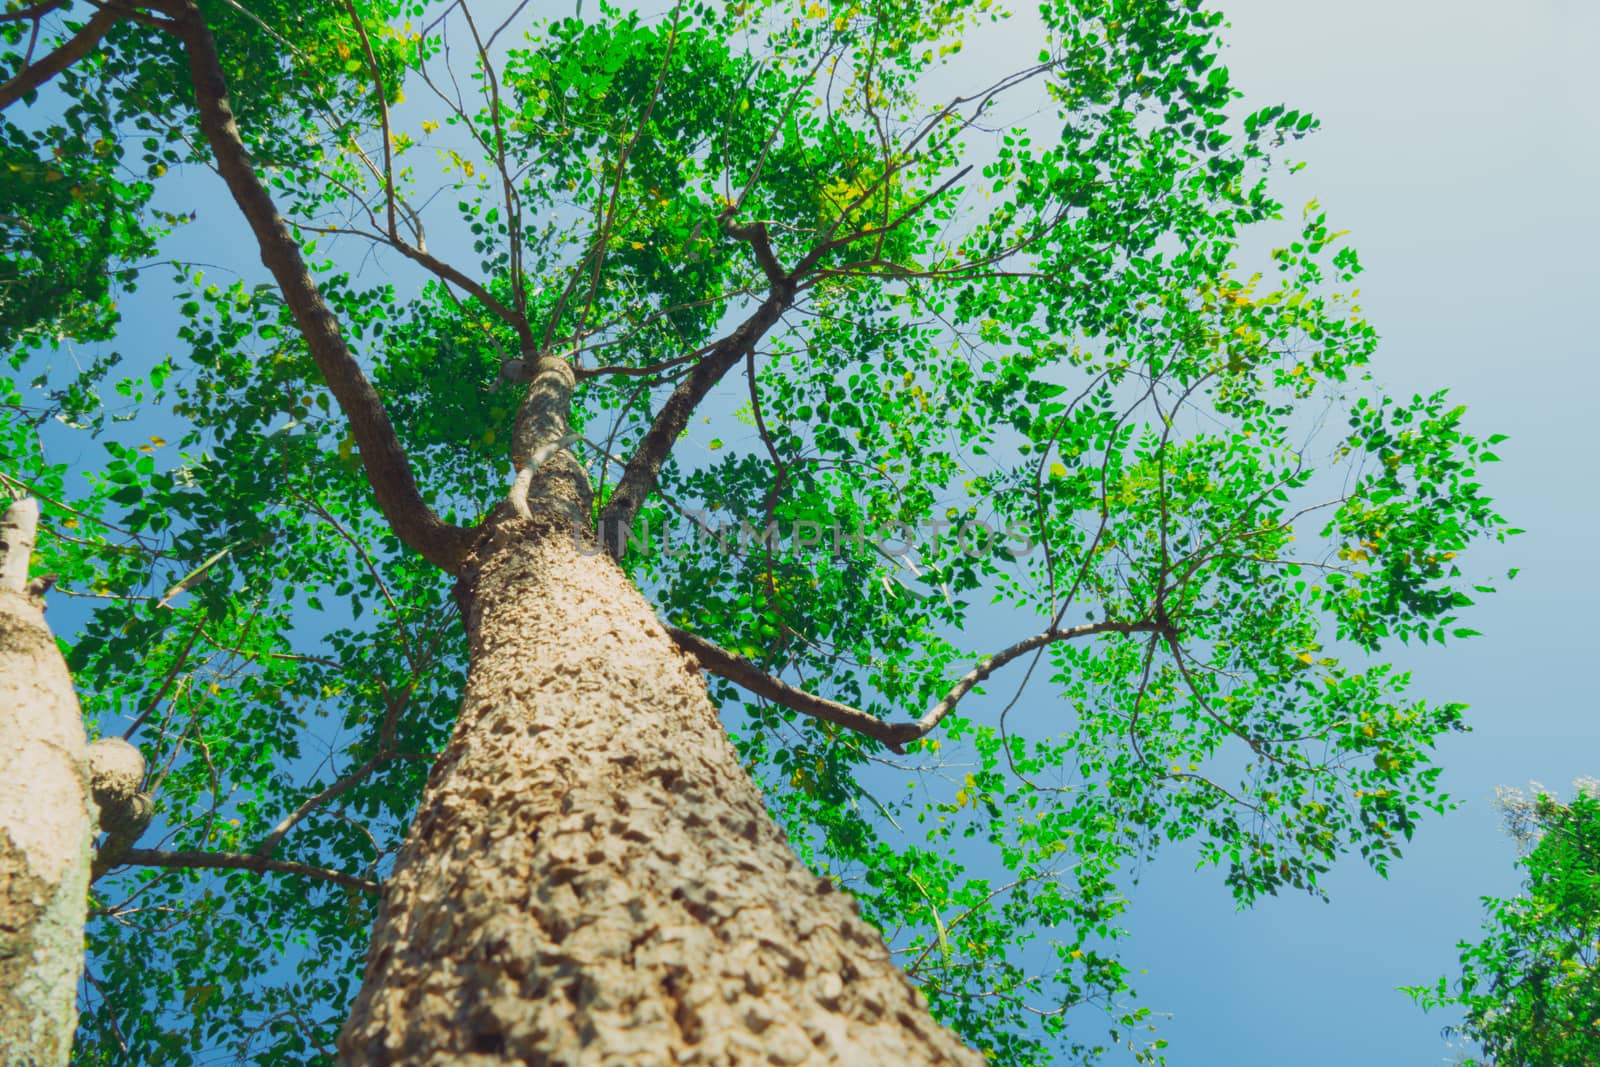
(639,478)
(33,12)
(740,671)
(448,273)
(428,261)
(640,475)
(79,45)
(760,244)
(388,469)
(153,857)
(653,369)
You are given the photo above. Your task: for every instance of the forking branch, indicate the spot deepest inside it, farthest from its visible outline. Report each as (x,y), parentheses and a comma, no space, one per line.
(896,735)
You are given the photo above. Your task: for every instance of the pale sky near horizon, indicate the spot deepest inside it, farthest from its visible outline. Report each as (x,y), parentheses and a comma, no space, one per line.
(1459,145)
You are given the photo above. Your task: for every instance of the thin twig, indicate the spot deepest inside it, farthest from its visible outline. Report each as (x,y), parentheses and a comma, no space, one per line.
(151,857)
(383,115)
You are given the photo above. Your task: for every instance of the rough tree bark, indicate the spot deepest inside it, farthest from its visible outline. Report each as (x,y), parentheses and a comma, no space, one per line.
(592,878)
(46,817)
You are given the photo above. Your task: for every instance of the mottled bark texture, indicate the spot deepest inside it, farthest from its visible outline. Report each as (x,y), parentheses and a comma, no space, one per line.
(46,819)
(592,878)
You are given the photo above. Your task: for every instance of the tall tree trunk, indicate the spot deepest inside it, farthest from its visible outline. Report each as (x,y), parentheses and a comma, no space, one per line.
(46,817)
(592,877)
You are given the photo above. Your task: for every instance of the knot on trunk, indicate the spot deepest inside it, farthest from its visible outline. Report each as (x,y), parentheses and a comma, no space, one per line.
(116,775)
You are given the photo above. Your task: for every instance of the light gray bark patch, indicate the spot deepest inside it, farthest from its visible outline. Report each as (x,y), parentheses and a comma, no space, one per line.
(46,818)
(41,956)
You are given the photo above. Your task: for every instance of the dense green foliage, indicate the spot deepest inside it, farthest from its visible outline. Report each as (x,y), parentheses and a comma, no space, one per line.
(1531,988)
(1022,308)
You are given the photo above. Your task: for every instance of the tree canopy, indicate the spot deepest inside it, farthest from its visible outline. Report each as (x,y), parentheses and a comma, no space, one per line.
(868,337)
(1530,990)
